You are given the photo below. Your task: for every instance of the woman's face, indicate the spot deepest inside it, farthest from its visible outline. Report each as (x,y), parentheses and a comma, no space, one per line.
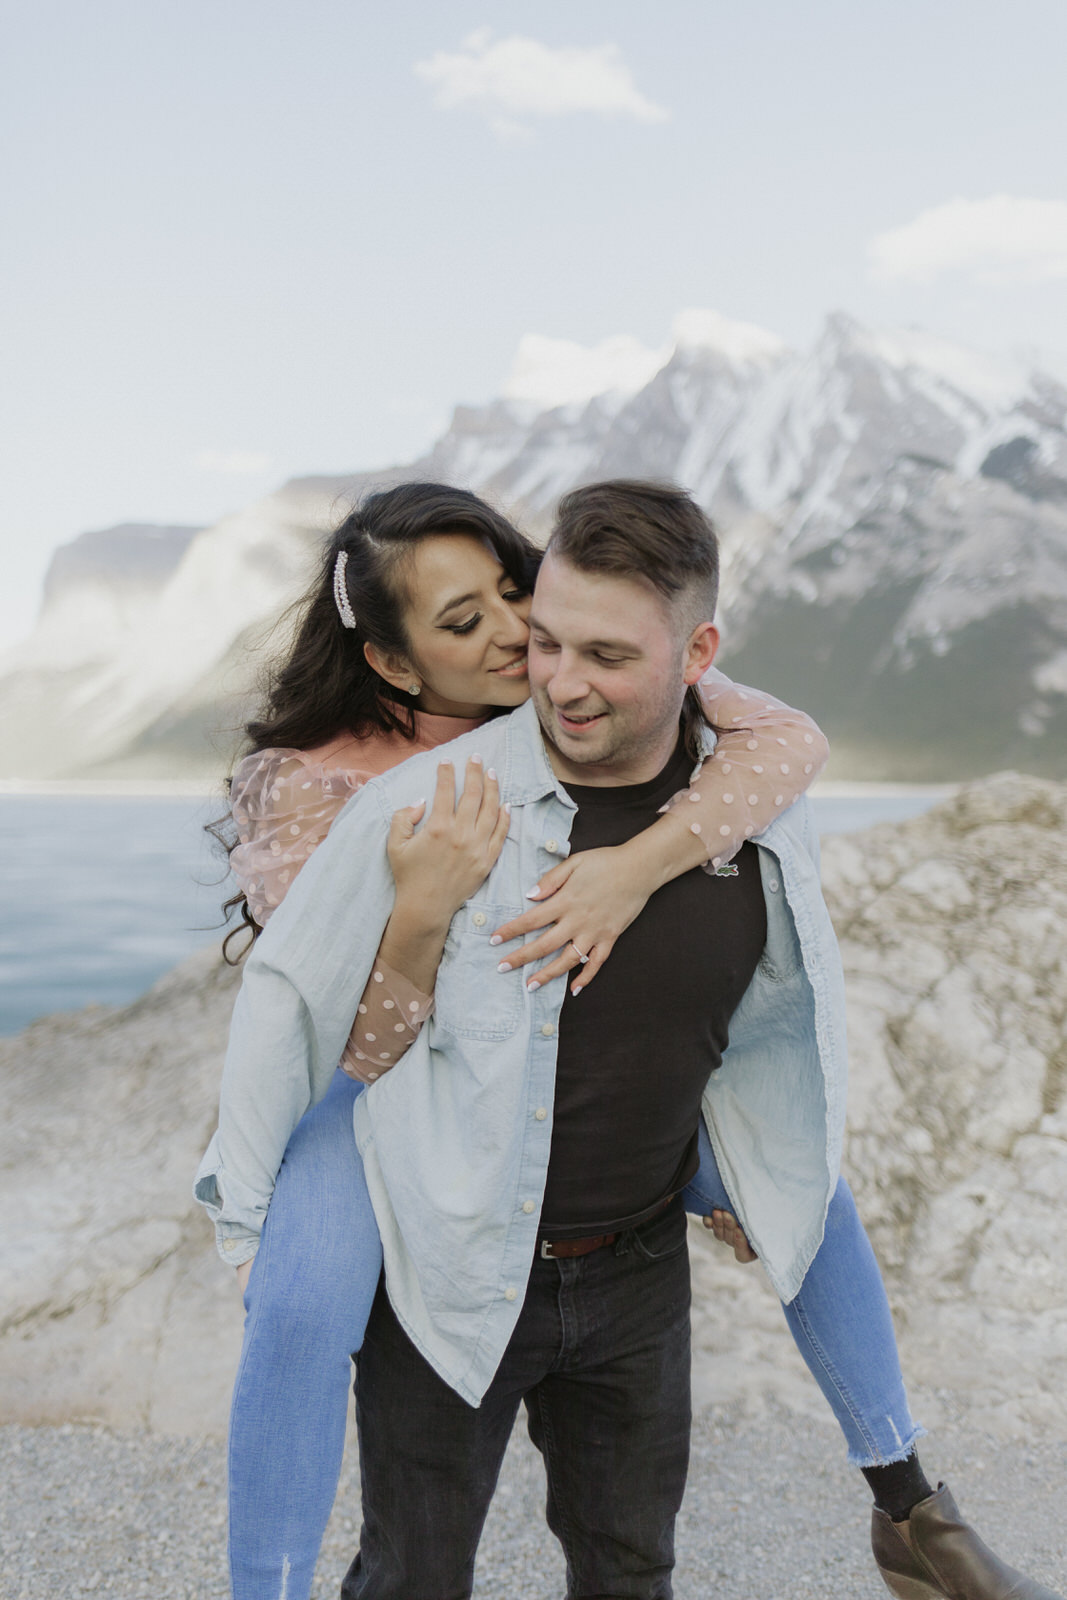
(466,626)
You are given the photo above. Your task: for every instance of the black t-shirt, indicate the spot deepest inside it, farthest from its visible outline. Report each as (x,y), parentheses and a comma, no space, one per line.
(637,1047)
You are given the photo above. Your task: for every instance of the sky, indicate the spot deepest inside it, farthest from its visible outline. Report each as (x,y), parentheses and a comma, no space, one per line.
(245,240)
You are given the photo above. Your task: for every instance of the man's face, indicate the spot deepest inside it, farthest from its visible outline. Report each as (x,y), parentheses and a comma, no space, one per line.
(608,673)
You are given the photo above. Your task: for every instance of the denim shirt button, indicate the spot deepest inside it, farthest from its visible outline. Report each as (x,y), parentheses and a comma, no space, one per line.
(551,845)
(479,919)
(772,884)
(540,1113)
(548,1030)
(511,1294)
(528,1206)
(229,1244)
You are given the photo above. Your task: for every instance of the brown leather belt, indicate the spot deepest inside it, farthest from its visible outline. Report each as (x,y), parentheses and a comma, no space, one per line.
(566,1249)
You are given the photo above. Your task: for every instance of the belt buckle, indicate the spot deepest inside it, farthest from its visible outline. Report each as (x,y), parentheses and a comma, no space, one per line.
(546,1250)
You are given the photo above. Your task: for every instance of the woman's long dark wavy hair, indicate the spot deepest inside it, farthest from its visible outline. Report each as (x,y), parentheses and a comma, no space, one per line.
(324,686)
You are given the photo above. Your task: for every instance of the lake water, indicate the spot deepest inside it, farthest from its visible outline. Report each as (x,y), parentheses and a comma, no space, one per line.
(101,895)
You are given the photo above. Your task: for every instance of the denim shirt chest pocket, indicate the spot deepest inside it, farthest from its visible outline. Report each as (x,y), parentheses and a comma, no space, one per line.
(472,999)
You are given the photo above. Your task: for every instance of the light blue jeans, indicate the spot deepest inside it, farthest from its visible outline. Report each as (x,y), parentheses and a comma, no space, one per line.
(309,1296)
(841,1324)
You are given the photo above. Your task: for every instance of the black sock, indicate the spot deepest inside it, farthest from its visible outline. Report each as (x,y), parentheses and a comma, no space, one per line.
(898,1486)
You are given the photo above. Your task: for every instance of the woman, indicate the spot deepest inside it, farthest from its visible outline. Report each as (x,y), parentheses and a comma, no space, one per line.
(422,604)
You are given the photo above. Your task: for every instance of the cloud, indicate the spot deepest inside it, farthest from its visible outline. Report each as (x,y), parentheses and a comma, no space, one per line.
(511,79)
(999,240)
(233,463)
(558,372)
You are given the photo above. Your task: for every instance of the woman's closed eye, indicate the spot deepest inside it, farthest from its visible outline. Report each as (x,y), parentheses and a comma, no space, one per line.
(464,627)
(470,623)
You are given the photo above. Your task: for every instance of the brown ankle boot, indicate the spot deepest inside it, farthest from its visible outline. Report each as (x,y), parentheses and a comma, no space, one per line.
(945,1560)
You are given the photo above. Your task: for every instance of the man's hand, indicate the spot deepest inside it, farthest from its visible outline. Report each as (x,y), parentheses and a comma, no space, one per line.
(729,1231)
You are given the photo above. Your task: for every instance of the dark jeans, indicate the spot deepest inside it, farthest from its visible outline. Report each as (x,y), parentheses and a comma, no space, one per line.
(600,1355)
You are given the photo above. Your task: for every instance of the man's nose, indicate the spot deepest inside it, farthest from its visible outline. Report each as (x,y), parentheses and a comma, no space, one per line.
(569,683)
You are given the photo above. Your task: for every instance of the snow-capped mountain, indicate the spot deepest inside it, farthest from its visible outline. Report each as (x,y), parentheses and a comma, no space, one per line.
(893,512)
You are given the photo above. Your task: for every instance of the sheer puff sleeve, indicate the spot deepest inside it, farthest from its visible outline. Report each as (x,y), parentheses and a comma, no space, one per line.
(766,756)
(391,1012)
(282,808)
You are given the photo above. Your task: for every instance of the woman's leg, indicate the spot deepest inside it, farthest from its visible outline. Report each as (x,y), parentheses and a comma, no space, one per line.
(841,1324)
(308,1298)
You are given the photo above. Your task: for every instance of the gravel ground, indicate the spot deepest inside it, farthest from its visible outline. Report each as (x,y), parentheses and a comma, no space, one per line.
(772,1511)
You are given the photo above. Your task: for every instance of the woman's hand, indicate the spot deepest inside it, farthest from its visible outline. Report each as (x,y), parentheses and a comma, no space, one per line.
(588,900)
(452,854)
(244,1272)
(584,903)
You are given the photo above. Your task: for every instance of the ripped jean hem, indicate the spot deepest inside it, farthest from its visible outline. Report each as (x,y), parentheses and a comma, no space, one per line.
(857,1459)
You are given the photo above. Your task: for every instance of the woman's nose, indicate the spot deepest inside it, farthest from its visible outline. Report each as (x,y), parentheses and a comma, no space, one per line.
(511,628)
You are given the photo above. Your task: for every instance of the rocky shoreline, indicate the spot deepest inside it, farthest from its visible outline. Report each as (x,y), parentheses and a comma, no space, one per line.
(119,1328)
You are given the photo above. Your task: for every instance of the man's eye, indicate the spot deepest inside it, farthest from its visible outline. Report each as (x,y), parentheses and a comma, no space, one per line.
(608,661)
(544,645)
(465,627)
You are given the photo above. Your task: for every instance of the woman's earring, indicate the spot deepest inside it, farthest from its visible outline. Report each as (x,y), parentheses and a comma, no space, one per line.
(413,688)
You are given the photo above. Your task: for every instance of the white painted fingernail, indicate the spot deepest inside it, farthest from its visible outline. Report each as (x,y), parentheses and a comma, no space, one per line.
(491,772)
(496,939)
(507,807)
(505,966)
(534,983)
(478,759)
(534,893)
(576,988)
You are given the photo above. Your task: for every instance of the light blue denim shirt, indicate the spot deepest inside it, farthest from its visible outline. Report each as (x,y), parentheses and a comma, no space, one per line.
(455,1139)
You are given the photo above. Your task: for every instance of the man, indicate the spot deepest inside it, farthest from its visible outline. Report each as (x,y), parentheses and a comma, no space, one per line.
(600,1350)
(524,1161)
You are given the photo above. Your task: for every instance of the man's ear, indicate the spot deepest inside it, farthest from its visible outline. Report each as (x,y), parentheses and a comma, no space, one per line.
(394,669)
(700,651)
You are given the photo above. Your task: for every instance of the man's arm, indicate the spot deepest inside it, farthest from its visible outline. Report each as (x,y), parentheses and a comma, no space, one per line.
(293,1015)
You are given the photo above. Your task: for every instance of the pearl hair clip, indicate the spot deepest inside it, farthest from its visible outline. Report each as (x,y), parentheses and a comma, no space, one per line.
(340,590)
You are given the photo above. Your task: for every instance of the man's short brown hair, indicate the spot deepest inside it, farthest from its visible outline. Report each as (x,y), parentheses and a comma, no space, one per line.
(653,531)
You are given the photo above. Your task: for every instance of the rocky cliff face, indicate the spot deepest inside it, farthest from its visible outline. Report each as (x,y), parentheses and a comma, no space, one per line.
(953,931)
(893,513)
(953,927)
